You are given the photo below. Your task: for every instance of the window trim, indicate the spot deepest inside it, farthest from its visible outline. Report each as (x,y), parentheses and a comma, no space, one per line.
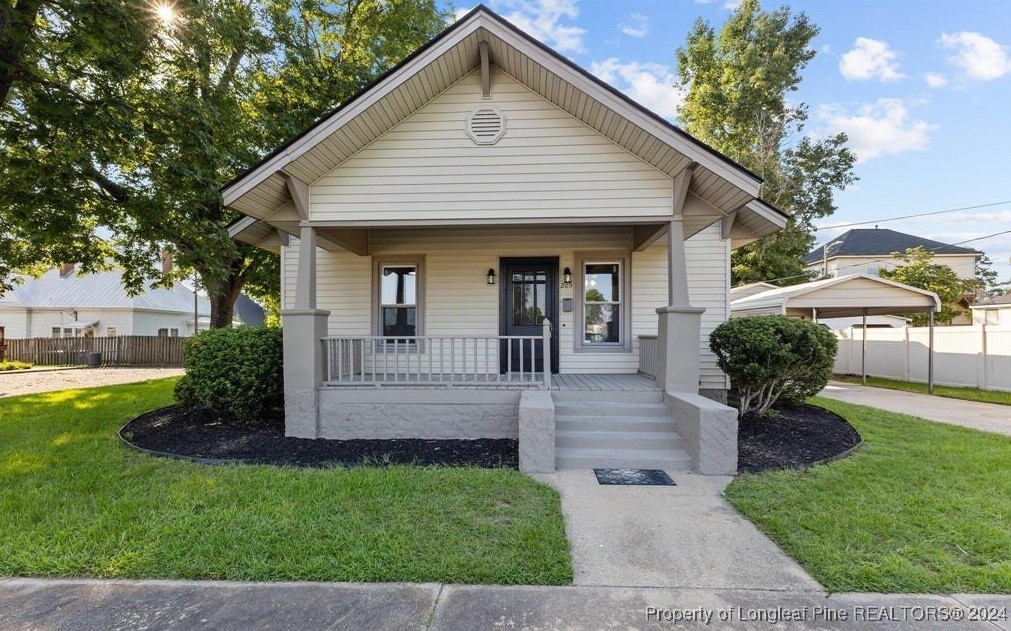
(378,263)
(623,259)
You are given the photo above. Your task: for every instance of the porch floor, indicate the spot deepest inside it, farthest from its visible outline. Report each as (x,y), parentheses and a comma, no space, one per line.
(562,382)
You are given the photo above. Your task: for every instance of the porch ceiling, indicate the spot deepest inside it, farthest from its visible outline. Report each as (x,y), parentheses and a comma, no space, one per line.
(719,185)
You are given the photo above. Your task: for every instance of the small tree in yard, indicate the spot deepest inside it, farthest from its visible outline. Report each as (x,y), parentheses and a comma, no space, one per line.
(918,269)
(772,358)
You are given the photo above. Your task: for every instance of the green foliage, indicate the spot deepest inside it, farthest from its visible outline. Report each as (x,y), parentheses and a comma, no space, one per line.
(922,507)
(737,82)
(74,502)
(235,371)
(14,365)
(986,277)
(918,269)
(771,358)
(132,128)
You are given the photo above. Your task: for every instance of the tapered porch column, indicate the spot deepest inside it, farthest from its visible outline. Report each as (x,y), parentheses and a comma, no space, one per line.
(679,323)
(304,327)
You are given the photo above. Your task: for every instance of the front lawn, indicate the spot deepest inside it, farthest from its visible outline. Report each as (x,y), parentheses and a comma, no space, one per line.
(922,507)
(75,502)
(952,392)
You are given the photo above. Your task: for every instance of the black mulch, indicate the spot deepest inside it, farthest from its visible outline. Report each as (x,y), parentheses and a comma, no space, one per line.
(203,433)
(795,436)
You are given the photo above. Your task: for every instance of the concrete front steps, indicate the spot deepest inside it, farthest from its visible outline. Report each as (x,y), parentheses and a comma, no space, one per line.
(616,430)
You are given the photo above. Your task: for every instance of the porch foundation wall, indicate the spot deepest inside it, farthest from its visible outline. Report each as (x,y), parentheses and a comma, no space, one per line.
(709,430)
(388,413)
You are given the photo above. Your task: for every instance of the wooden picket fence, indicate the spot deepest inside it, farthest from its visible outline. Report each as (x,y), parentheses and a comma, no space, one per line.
(124,350)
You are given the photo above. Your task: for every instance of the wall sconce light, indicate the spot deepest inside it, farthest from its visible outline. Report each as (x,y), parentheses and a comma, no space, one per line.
(491,276)
(566,278)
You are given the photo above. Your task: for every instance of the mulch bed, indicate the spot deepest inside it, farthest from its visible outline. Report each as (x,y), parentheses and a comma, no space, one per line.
(201,433)
(795,436)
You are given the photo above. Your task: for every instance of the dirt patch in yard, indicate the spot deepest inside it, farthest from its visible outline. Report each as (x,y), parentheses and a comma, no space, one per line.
(795,436)
(202,434)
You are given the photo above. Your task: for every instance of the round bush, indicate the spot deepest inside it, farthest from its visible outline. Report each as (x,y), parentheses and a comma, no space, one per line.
(235,371)
(772,358)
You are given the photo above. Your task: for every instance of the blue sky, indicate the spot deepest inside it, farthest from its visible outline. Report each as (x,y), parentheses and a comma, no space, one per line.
(922,87)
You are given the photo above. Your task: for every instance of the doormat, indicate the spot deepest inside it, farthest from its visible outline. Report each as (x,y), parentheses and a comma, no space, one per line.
(634,477)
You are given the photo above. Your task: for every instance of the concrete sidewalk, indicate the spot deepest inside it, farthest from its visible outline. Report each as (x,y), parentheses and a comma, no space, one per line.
(667,536)
(988,417)
(90,605)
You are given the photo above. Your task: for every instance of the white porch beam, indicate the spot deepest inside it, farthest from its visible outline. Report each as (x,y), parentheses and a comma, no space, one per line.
(305,285)
(681,183)
(727,225)
(354,240)
(485,53)
(299,192)
(677,275)
(646,235)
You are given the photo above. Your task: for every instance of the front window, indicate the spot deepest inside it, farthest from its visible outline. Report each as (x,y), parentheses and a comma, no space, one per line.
(602,302)
(398,300)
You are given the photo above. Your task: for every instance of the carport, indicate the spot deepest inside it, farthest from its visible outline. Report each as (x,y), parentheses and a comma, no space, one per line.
(844,297)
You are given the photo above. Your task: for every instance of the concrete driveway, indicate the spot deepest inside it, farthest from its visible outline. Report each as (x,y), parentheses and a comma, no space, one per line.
(988,417)
(668,536)
(34,381)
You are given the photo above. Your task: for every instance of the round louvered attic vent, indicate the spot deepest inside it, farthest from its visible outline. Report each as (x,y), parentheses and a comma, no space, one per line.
(485,125)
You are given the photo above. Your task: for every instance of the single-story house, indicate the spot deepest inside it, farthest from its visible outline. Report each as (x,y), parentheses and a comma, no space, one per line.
(66,303)
(488,241)
(992,310)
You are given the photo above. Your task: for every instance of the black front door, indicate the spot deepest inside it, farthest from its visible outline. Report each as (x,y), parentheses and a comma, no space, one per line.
(529,294)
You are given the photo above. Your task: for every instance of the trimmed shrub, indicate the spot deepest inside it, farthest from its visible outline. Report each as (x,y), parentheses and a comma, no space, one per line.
(235,371)
(772,358)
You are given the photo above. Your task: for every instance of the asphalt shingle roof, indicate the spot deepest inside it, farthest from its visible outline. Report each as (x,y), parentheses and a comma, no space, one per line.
(882,242)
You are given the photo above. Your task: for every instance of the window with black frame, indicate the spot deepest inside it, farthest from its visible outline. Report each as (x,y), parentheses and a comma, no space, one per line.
(602,299)
(398,308)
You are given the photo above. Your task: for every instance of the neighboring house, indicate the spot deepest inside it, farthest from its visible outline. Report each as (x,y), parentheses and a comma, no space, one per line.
(65,303)
(491,242)
(865,250)
(992,310)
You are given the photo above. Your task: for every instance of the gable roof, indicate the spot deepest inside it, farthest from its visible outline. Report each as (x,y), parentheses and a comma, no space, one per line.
(750,289)
(902,298)
(881,242)
(102,290)
(717,180)
(993,301)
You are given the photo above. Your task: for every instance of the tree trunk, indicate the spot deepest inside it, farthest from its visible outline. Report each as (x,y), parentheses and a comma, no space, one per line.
(17,24)
(223,295)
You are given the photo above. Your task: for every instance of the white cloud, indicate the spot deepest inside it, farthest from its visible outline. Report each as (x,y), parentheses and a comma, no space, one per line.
(870,59)
(542,19)
(732,5)
(880,128)
(935,79)
(649,84)
(981,57)
(637,25)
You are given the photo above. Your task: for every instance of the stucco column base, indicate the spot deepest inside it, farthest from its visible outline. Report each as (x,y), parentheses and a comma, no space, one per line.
(303,331)
(709,431)
(537,432)
(679,328)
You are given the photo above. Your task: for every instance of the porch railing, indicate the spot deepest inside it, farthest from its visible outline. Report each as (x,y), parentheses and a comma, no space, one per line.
(647,355)
(434,360)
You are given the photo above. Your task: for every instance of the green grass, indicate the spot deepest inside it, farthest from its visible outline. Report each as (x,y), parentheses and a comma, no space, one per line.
(968,394)
(14,365)
(75,502)
(923,507)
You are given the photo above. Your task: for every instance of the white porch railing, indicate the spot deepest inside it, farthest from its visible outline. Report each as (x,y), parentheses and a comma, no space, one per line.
(433,360)
(647,355)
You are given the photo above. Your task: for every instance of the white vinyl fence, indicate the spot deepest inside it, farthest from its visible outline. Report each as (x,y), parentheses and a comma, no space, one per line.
(973,356)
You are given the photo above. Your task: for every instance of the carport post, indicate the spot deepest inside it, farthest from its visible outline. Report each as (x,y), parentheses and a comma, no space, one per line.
(863,351)
(930,353)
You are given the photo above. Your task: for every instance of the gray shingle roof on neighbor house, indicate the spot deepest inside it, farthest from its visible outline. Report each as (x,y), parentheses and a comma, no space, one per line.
(991,301)
(103,290)
(882,242)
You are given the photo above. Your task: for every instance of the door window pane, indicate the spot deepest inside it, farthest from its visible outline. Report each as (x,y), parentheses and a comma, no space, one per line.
(529,297)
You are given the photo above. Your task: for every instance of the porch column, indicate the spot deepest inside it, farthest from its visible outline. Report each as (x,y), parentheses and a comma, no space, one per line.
(679,323)
(304,327)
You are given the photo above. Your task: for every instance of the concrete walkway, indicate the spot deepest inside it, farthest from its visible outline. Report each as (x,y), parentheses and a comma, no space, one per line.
(988,417)
(225,606)
(668,536)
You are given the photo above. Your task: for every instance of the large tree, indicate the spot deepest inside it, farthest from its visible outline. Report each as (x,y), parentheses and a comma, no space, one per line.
(737,82)
(224,82)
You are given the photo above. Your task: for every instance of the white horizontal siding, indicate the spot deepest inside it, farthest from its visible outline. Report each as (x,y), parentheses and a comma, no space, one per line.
(458,301)
(547,165)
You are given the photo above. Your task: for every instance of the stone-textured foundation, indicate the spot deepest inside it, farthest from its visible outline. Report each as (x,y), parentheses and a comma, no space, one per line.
(537,432)
(709,430)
